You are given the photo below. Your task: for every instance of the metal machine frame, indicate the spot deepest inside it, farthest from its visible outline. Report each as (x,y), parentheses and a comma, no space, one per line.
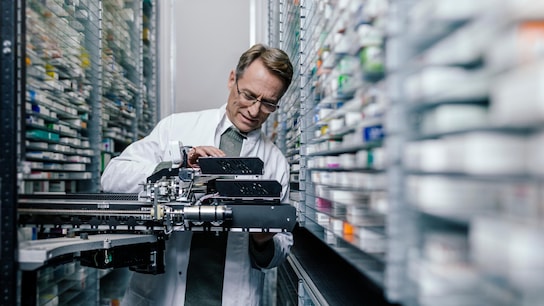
(129,230)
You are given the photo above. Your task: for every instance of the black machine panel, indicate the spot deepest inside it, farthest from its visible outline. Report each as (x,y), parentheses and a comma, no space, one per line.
(231,165)
(254,189)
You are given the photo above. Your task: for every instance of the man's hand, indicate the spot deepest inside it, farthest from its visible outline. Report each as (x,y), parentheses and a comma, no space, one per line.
(202,151)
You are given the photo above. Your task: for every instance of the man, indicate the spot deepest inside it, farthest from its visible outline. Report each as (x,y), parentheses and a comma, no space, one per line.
(261,78)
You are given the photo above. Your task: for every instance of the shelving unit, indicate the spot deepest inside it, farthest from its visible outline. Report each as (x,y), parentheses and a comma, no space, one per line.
(90,89)
(334,118)
(346,192)
(470,174)
(416,143)
(68,284)
(148,110)
(122,81)
(60,41)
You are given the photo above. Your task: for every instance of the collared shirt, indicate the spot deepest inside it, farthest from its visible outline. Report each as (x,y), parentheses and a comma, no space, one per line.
(127,173)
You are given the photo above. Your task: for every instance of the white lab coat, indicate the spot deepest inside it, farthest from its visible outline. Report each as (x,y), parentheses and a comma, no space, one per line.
(243,283)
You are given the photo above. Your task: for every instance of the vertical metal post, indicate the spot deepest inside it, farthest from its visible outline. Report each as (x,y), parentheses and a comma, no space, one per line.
(93,42)
(401,219)
(137,78)
(153,86)
(8,149)
(303,175)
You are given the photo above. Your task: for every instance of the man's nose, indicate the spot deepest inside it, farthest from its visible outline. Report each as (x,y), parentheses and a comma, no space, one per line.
(255,107)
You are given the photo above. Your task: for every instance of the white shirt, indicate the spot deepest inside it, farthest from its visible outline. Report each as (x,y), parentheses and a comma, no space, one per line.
(126,173)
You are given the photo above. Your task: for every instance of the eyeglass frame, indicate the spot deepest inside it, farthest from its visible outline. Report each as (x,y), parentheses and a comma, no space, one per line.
(253,100)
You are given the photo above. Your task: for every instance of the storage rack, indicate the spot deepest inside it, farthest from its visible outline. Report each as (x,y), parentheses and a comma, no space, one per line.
(66,284)
(343,131)
(273,125)
(60,80)
(58,86)
(456,218)
(334,126)
(470,168)
(148,110)
(89,91)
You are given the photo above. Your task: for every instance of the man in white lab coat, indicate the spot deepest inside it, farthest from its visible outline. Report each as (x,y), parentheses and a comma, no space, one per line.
(260,79)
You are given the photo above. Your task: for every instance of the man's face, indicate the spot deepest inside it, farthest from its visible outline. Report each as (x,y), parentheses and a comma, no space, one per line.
(257,83)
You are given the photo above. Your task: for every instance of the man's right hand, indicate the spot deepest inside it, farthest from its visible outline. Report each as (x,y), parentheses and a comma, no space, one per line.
(202,151)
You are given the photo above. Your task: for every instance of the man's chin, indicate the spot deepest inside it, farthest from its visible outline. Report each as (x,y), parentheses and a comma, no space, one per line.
(245,126)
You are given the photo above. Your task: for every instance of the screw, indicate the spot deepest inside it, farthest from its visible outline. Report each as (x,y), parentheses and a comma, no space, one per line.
(7,47)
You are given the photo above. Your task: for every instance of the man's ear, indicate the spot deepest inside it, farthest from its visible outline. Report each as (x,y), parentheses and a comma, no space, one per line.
(232,79)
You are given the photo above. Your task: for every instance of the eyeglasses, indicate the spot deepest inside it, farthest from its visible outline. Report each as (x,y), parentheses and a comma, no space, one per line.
(248,100)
